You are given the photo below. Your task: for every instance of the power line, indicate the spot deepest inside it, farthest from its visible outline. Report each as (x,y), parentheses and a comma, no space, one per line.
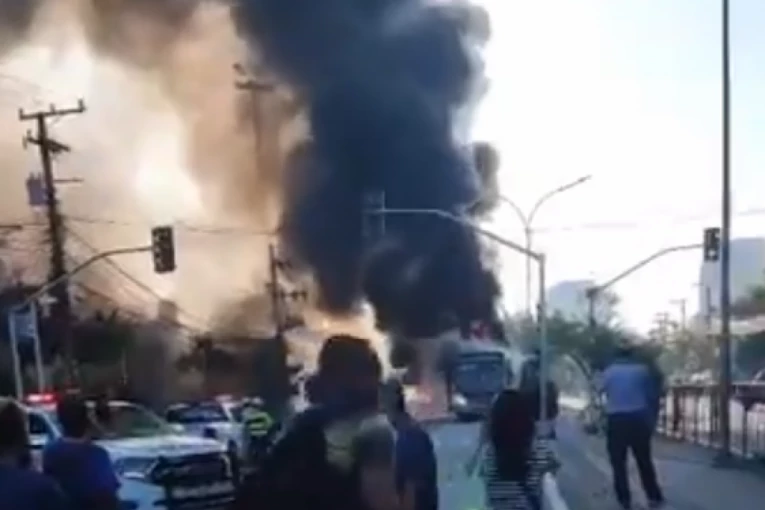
(136,315)
(755,211)
(125,274)
(130,293)
(202,229)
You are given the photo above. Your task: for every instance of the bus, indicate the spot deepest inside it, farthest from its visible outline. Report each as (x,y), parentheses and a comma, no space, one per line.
(476,372)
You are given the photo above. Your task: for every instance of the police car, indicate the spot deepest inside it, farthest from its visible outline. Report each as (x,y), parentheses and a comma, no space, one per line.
(158,466)
(219,419)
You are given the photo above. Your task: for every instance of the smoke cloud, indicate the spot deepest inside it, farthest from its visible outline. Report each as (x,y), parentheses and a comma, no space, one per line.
(385,89)
(385,81)
(16,18)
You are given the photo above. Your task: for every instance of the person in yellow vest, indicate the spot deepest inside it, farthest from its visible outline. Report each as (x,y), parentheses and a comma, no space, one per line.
(258,427)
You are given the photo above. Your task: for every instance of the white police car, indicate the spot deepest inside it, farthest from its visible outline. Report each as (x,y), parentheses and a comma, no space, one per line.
(219,419)
(157,466)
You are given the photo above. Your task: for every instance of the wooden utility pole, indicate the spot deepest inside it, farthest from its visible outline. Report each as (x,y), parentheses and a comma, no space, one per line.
(274,290)
(280,297)
(61,311)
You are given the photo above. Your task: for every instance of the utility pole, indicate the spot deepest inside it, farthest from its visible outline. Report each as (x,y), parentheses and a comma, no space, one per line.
(683,326)
(279,297)
(48,147)
(274,290)
(725,312)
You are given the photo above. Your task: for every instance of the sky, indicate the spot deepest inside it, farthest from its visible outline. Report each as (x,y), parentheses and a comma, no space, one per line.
(629,92)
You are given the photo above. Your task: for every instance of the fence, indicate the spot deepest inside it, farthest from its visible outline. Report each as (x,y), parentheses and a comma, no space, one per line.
(692,413)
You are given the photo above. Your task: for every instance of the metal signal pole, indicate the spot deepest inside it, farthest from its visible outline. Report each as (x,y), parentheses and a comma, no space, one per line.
(725,312)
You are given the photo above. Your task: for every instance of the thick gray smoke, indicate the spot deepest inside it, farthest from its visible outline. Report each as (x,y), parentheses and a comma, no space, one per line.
(385,81)
(16,17)
(386,84)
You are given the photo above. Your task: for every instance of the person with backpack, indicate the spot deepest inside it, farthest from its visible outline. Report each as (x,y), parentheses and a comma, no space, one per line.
(21,487)
(514,457)
(339,454)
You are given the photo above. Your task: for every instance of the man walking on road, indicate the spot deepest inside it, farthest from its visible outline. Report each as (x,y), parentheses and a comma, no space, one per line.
(629,389)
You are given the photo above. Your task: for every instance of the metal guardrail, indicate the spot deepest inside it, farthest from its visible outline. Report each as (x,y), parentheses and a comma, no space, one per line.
(690,412)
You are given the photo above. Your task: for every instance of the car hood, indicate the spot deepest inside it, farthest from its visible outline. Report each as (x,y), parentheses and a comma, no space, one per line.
(170,445)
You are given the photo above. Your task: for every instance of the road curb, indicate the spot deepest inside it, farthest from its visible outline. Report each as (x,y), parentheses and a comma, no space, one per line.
(553,500)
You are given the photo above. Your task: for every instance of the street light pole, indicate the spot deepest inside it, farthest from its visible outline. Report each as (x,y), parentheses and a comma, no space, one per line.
(538,257)
(725,313)
(527,220)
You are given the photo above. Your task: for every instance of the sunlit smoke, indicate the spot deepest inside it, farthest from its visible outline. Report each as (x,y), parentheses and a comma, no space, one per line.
(164,140)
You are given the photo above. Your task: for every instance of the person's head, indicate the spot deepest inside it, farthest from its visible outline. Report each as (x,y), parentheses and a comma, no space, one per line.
(73,415)
(511,430)
(392,398)
(625,351)
(14,439)
(349,370)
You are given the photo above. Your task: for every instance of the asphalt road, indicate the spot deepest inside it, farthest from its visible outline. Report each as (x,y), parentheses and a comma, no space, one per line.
(583,483)
(454,443)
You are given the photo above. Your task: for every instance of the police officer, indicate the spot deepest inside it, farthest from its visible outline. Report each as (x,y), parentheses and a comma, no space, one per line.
(258,426)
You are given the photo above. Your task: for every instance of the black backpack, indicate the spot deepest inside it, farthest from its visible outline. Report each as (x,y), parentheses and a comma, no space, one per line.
(296,475)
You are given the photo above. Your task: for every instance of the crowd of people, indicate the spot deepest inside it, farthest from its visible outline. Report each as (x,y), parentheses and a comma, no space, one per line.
(76,472)
(354,448)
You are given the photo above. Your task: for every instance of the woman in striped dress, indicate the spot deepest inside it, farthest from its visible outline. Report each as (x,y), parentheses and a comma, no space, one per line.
(514,458)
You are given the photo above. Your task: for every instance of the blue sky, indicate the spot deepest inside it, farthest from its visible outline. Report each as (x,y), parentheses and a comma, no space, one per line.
(628,91)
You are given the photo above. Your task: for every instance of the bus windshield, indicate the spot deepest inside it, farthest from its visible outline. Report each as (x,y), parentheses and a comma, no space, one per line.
(482,374)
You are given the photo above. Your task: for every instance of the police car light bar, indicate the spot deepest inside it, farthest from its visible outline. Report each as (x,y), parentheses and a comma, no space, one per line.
(41,398)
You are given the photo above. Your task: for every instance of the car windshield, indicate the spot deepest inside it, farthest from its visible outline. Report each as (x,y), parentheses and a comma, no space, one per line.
(207,412)
(133,421)
(479,375)
(129,421)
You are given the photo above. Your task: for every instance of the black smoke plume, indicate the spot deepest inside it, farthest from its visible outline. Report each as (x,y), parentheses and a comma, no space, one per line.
(16,17)
(383,80)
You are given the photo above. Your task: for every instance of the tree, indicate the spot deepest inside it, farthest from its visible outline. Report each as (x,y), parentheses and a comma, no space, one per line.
(750,350)
(102,339)
(750,305)
(594,347)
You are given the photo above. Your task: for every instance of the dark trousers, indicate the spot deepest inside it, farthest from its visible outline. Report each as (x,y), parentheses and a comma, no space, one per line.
(631,432)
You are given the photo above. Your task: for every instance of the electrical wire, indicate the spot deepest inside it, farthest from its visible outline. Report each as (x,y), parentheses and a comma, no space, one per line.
(202,229)
(136,315)
(143,315)
(681,220)
(125,274)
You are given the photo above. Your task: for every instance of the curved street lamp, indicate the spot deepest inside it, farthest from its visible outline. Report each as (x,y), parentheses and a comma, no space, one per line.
(527,220)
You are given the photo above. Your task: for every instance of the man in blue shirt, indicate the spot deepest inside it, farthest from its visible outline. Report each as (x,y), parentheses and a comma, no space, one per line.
(630,391)
(22,488)
(415,455)
(82,468)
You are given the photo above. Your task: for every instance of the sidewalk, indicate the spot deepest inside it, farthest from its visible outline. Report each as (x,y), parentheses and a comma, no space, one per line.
(689,477)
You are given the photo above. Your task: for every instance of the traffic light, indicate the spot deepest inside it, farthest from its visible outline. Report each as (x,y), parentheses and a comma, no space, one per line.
(711,244)
(163,249)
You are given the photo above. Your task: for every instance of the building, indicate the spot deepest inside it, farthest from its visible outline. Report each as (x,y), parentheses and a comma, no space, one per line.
(747,269)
